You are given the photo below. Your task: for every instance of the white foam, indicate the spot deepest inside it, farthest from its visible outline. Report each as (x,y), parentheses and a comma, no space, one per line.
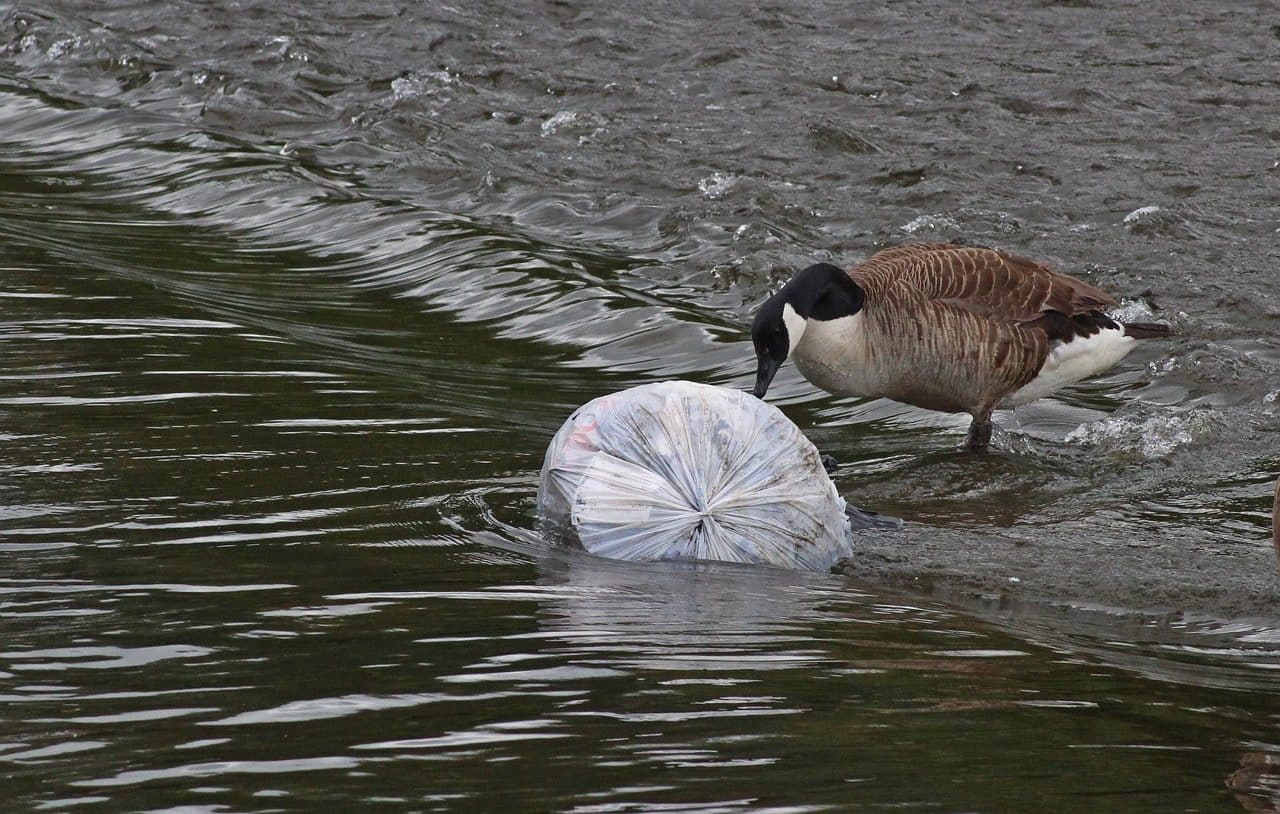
(717,184)
(933,223)
(1140,213)
(559,120)
(1151,434)
(1133,311)
(415,85)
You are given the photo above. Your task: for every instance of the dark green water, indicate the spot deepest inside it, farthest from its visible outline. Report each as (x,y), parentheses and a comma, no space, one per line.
(293,297)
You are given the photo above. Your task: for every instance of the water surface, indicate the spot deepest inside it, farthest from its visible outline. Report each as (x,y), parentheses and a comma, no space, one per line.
(292,297)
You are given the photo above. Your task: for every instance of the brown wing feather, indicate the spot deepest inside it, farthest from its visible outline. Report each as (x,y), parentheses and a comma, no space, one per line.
(987,282)
(990,313)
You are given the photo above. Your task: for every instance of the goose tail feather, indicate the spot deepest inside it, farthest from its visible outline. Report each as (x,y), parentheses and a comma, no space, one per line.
(1146,330)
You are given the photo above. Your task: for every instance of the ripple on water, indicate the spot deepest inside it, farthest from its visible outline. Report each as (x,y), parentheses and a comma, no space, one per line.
(98,658)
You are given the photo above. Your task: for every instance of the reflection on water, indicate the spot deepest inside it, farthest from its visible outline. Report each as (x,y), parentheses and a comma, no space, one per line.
(689,617)
(292,300)
(1256,783)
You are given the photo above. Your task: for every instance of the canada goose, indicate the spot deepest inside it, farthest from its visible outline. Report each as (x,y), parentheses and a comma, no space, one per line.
(950,328)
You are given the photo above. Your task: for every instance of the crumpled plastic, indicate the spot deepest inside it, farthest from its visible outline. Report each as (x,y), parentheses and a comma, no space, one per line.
(685,471)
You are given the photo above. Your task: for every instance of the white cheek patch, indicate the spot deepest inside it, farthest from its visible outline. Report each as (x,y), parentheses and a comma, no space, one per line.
(795,326)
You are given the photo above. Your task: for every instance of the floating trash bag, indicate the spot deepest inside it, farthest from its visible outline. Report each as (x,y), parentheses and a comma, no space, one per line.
(685,471)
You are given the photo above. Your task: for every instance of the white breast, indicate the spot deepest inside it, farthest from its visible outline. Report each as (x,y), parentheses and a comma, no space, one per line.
(1073,361)
(833,355)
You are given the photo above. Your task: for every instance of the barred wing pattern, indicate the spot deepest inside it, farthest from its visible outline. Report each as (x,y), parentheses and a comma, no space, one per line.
(984,321)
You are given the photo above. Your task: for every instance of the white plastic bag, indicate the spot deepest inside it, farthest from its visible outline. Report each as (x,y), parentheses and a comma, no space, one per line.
(685,471)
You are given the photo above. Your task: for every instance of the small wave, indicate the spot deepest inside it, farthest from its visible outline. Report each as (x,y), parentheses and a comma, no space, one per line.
(1228,372)
(1150,434)
(561,119)
(1156,220)
(1134,311)
(838,139)
(974,223)
(412,86)
(1141,213)
(589,125)
(717,184)
(931,223)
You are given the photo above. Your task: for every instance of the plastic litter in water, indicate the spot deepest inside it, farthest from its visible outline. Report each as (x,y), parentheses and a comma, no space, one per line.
(685,471)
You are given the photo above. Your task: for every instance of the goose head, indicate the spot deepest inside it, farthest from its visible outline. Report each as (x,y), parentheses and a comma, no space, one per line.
(821,292)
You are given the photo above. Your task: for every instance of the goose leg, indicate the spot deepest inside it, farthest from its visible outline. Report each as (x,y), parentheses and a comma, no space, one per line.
(979,432)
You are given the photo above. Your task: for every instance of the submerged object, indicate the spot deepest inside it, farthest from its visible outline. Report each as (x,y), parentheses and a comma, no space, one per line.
(959,329)
(685,471)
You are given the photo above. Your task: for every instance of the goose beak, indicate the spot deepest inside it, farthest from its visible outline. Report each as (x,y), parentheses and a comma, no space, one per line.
(766,368)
